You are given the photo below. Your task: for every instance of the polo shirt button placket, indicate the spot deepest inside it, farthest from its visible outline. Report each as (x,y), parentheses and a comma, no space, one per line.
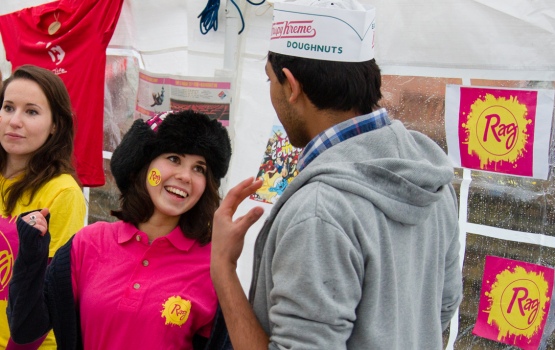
(145,263)
(136,286)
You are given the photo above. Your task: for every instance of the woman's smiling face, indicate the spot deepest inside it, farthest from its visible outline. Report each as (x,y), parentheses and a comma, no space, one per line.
(175,183)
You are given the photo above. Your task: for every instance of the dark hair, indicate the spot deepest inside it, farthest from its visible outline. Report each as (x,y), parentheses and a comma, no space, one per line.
(137,207)
(54,157)
(340,86)
(184,132)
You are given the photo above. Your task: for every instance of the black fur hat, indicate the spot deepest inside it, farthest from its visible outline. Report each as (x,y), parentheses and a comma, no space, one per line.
(185,132)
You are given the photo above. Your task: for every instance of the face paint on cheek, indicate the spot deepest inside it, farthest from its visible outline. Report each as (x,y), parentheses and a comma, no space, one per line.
(154,177)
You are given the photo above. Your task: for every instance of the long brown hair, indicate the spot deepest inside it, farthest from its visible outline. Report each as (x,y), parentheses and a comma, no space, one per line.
(54,157)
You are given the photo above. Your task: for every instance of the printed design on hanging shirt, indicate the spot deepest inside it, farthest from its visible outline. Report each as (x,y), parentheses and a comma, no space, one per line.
(176,311)
(56,53)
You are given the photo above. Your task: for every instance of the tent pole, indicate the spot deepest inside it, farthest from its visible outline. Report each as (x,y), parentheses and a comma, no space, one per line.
(231,37)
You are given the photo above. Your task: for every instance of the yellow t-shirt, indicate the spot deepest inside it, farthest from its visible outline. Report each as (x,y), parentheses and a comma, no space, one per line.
(64,198)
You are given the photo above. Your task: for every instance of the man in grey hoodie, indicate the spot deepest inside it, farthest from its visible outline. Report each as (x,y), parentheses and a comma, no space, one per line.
(362,249)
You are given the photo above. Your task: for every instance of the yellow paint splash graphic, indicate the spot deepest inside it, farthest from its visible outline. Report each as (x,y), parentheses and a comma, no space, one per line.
(176,311)
(516,303)
(496,130)
(6,262)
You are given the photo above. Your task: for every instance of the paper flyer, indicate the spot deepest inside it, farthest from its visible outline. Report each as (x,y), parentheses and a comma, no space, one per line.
(499,130)
(278,167)
(161,93)
(514,302)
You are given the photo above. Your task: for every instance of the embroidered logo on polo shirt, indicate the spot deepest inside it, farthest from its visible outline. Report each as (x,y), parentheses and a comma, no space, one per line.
(176,311)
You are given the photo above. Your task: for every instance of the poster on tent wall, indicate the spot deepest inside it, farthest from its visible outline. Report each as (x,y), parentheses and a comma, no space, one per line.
(278,166)
(514,302)
(160,93)
(499,130)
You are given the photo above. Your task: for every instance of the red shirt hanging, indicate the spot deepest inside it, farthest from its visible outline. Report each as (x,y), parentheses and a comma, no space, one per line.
(70,38)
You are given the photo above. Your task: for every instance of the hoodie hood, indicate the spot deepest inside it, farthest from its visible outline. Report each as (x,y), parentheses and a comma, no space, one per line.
(402,173)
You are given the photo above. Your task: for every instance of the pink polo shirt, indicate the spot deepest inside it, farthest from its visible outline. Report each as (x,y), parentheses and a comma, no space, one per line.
(132,295)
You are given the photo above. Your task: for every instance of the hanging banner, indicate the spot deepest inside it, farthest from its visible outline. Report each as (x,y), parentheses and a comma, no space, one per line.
(160,93)
(499,130)
(514,302)
(278,167)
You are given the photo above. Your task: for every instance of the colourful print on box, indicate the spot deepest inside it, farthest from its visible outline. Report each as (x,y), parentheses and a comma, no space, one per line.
(514,302)
(278,167)
(496,130)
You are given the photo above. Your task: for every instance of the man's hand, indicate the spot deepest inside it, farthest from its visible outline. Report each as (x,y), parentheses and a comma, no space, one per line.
(228,235)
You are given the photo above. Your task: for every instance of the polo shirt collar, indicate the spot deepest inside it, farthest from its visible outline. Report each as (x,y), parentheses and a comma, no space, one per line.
(175,237)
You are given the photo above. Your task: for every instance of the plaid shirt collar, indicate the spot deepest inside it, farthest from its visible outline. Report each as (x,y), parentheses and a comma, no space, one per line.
(341,132)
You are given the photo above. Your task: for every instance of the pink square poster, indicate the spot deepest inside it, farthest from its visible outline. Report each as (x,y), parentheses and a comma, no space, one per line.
(514,302)
(499,130)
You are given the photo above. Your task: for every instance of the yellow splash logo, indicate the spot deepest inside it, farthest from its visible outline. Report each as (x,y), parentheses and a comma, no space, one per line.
(154,177)
(496,129)
(6,262)
(517,302)
(176,311)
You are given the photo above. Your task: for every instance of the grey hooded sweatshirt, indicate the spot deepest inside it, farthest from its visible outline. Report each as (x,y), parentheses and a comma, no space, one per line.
(362,249)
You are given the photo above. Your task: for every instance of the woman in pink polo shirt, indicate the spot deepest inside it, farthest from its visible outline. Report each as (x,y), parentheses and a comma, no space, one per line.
(142,282)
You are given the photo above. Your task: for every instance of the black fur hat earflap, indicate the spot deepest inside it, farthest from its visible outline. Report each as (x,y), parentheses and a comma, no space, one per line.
(185,132)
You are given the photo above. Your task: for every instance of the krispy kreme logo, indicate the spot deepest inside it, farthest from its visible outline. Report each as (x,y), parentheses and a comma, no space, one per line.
(292,29)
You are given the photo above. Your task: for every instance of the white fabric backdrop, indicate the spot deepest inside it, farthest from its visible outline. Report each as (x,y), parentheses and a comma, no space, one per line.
(495,39)
(500,39)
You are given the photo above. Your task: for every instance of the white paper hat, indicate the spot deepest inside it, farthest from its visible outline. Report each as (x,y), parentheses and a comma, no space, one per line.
(331,30)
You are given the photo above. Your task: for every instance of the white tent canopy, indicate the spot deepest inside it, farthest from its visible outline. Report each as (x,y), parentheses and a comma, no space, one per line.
(493,40)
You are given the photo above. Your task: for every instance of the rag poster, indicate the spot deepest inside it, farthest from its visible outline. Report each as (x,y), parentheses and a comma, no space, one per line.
(499,130)
(514,302)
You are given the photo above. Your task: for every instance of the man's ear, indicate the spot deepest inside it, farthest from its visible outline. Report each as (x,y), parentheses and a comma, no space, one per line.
(294,85)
